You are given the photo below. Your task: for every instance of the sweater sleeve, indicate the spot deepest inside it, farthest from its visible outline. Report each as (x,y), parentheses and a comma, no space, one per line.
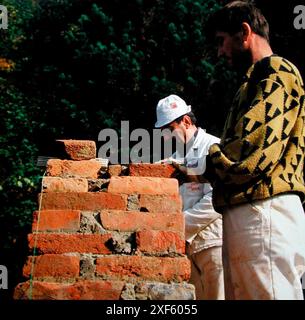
(253,147)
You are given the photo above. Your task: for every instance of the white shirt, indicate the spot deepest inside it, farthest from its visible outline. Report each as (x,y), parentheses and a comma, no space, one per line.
(203,225)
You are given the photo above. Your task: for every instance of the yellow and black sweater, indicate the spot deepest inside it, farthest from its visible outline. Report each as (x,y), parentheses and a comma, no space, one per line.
(261,152)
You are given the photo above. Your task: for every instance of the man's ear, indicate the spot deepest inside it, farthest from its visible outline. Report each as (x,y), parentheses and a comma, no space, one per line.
(187,121)
(246,31)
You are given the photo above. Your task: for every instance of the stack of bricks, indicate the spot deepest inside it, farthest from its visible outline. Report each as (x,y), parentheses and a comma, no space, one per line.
(115,233)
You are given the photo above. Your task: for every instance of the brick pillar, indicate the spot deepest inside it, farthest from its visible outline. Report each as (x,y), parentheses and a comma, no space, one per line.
(106,233)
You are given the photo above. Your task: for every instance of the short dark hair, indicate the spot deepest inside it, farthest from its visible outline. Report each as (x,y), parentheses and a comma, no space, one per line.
(231,16)
(191,115)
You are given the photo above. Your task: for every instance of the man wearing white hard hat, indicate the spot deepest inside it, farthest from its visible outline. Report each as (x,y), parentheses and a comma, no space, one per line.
(203,225)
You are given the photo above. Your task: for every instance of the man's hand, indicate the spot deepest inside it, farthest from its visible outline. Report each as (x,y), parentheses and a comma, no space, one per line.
(189,177)
(180,166)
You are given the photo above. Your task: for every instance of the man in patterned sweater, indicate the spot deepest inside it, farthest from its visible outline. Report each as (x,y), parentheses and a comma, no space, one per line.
(257,168)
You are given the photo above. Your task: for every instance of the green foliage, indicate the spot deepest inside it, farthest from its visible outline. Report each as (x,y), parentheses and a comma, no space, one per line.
(19,12)
(18,172)
(19,177)
(118,57)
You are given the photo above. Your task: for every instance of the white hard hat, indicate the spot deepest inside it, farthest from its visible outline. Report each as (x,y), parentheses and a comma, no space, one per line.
(169,109)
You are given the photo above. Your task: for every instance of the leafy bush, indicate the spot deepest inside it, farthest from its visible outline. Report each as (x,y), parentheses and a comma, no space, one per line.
(19,175)
(97,63)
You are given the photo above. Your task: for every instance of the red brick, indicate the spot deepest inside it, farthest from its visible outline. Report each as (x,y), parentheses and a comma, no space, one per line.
(160,242)
(152,170)
(160,203)
(135,220)
(52,265)
(77,149)
(80,290)
(114,170)
(57,220)
(90,201)
(164,269)
(57,184)
(66,243)
(76,169)
(144,185)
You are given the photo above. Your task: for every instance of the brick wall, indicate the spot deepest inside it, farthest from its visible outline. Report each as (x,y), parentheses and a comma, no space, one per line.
(106,233)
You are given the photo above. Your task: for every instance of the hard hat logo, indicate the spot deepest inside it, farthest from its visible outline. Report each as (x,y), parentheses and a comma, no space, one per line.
(174,105)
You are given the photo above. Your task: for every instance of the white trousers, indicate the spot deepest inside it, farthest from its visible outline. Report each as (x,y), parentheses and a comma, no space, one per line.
(264,249)
(207,274)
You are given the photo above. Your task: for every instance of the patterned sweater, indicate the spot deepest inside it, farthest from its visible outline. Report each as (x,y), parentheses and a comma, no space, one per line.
(261,153)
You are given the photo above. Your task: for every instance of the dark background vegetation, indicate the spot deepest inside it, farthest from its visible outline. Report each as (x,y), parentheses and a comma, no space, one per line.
(71,68)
